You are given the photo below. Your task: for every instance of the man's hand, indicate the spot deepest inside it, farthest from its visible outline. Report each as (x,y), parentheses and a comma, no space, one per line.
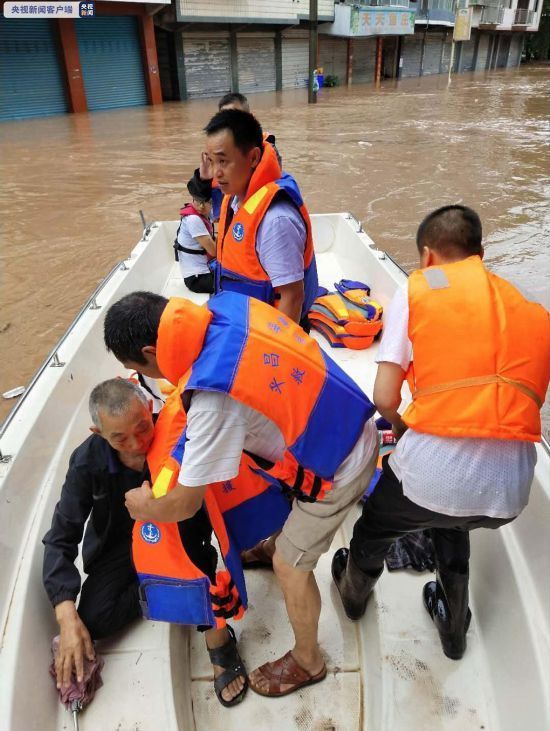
(139,502)
(75,643)
(206,171)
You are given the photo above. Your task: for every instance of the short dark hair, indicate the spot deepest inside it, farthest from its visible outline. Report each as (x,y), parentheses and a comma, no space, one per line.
(233,98)
(132,323)
(452,231)
(247,131)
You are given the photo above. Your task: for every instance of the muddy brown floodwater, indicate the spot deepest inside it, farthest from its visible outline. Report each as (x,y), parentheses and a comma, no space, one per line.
(73,184)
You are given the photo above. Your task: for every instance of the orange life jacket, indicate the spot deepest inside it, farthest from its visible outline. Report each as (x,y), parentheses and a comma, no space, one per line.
(241,346)
(238,265)
(242,511)
(481,355)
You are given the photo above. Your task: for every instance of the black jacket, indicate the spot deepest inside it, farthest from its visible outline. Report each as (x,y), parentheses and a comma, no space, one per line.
(94,488)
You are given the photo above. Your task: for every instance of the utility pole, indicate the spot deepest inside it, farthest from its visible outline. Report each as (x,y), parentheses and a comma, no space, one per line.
(312,86)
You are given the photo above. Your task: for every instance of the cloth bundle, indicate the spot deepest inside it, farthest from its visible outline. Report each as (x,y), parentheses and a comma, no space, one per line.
(348,317)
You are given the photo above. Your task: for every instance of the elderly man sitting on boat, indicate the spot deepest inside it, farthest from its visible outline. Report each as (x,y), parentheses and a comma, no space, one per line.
(102,470)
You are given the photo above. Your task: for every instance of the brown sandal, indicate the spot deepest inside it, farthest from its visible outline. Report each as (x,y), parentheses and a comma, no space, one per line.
(285,671)
(257,557)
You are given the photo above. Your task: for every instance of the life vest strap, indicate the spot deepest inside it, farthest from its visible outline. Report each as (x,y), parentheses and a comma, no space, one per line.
(478,381)
(186,250)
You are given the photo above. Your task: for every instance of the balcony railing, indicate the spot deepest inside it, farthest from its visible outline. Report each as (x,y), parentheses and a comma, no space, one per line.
(435,10)
(378,3)
(491,16)
(524,17)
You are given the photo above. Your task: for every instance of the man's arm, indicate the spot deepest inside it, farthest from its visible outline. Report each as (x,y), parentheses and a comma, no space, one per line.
(387,394)
(281,241)
(292,299)
(61,577)
(180,503)
(208,243)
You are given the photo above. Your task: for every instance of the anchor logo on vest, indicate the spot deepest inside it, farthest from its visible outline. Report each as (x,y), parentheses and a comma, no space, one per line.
(150,533)
(238,232)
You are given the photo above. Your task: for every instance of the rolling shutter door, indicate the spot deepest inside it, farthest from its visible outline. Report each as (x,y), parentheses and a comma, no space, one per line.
(432,53)
(110,57)
(295,52)
(256,62)
(364,60)
(207,65)
(482,52)
(333,55)
(411,53)
(31,77)
(467,49)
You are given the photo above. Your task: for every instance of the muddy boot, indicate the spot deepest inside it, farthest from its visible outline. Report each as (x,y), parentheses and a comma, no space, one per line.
(446,601)
(353,584)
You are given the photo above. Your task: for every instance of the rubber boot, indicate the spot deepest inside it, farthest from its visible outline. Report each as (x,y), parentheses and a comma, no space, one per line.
(446,601)
(354,585)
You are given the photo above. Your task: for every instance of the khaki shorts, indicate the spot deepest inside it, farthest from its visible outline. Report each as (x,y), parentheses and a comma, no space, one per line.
(310,527)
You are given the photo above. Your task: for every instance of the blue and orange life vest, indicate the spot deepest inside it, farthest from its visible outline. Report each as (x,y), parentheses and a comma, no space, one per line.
(481,354)
(242,511)
(238,267)
(240,346)
(189,210)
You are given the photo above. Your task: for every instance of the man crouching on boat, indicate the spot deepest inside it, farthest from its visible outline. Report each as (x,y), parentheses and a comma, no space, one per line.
(256,383)
(101,471)
(476,355)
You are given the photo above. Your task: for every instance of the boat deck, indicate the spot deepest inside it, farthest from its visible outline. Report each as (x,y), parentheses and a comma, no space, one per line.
(386,672)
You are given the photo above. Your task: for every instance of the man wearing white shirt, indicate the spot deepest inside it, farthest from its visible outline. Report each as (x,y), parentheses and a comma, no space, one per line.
(465,457)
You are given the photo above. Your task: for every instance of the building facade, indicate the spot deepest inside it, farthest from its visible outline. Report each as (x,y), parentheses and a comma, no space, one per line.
(143,52)
(209,47)
(51,66)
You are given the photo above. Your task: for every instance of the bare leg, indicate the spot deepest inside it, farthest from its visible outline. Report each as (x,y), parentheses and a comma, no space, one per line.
(303,605)
(216,638)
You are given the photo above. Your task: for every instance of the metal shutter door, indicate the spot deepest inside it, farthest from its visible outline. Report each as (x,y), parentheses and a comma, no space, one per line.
(411,53)
(207,65)
(256,62)
(295,52)
(110,57)
(432,53)
(364,60)
(467,54)
(446,60)
(482,52)
(333,57)
(31,77)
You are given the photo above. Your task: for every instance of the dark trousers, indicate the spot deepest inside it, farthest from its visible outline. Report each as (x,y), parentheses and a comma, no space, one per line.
(200,283)
(388,514)
(109,598)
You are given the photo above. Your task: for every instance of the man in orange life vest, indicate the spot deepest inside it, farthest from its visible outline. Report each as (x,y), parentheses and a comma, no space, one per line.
(251,380)
(265,245)
(233,100)
(476,355)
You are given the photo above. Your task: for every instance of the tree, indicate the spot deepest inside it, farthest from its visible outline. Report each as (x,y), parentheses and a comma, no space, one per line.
(537,46)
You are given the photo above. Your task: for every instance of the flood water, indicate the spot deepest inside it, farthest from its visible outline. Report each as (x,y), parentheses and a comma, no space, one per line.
(73,184)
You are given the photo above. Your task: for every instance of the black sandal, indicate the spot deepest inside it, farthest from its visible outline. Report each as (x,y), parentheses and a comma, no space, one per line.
(227,656)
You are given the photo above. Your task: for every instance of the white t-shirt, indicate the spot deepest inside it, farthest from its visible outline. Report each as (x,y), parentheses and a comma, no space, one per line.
(219,428)
(454,476)
(192,264)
